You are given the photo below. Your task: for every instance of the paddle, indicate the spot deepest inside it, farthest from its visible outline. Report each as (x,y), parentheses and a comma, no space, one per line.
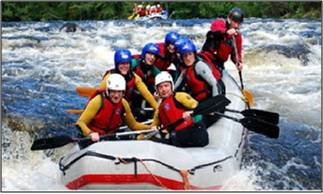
(59,141)
(245,92)
(270,117)
(255,124)
(86,91)
(131,16)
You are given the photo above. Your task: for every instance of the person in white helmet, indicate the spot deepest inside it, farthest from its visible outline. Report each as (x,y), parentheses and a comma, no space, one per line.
(174,106)
(107,109)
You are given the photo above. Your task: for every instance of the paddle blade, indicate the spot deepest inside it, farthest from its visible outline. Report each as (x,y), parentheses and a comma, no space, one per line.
(213,104)
(86,91)
(248,96)
(270,117)
(131,16)
(74,111)
(261,127)
(51,142)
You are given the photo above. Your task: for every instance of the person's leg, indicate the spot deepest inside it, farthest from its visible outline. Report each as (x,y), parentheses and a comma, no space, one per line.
(195,136)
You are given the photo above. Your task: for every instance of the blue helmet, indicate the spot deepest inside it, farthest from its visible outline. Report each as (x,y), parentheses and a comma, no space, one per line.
(150,48)
(171,37)
(179,42)
(122,56)
(187,47)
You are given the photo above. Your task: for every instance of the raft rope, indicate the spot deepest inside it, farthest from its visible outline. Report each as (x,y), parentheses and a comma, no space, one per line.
(154,177)
(184,174)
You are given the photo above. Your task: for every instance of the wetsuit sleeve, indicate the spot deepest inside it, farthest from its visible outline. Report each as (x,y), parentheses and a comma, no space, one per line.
(88,114)
(142,88)
(179,81)
(104,81)
(205,72)
(156,121)
(186,100)
(130,119)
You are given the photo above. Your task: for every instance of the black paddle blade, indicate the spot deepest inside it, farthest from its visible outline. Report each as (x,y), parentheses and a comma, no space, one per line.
(51,142)
(260,126)
(213,104)
(270,117)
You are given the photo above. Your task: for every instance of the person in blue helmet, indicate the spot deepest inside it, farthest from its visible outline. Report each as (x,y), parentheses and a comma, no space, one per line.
(199,78)
(167,52)
(136,88)
(144,65)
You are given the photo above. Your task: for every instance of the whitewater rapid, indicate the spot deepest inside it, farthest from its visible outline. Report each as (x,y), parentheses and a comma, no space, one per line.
(41,67)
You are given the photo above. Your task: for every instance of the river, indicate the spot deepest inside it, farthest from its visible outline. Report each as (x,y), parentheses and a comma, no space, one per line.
(42,66)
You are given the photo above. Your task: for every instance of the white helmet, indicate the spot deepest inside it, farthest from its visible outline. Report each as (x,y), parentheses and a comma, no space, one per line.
(163,76)
(116,82)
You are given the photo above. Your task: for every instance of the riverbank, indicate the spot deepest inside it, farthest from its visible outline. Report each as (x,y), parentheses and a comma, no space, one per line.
(49,11)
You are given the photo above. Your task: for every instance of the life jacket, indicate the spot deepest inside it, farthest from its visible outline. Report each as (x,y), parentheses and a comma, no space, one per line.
(199,89)
(165,59)
(137,67)
(142,12)
(210,59)
(130,83)
(109,116)
(225,46)
(170,110)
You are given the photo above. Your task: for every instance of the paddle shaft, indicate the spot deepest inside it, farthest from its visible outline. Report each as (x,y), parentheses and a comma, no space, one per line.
(237,59)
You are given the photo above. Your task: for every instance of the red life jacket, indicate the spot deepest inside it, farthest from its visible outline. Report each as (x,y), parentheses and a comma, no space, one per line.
(142,12)
(109,116)
(131,84)
(225,47)
(162,63)
(209,59)
(199,89)
(170,110)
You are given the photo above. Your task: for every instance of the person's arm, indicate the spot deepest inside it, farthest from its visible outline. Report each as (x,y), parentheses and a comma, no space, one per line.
(205,72)
(142,88)
(238,39)
(130,119)
(179,80)
(156,121)
(186,100)
(190,103)
(88,114)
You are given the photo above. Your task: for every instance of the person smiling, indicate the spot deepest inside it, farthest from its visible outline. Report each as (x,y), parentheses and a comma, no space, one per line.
(107,109)
(174,106)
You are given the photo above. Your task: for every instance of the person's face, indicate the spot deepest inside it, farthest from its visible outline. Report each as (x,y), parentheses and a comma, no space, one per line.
(124,68)
(150,58)
(234,24)
(189,59)
(115,96)
(164,89)
(171,48)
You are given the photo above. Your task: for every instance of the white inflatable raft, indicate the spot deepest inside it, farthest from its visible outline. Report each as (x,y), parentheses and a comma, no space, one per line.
(147,165)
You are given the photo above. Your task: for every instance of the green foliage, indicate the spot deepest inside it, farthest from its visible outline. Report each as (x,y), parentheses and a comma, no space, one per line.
(44,11)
